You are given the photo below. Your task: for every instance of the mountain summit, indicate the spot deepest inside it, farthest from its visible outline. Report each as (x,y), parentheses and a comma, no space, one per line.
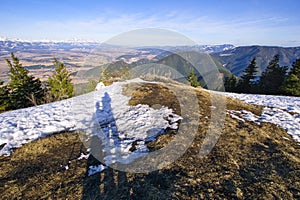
(252,158)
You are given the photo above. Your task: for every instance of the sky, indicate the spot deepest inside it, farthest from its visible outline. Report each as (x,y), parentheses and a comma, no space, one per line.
(237,22)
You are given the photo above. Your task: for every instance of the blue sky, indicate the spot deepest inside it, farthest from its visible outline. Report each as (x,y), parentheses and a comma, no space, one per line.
(249,22)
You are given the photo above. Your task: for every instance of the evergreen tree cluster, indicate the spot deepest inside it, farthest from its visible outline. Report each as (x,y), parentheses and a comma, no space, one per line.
(24,90)
(192,79)
(274,80)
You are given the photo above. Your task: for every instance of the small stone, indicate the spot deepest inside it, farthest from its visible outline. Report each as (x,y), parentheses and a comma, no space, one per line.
(239,193)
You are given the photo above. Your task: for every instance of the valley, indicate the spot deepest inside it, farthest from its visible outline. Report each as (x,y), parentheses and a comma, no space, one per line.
(85,58)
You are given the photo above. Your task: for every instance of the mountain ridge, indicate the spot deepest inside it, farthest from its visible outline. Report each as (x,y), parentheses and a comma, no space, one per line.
(237,59)
(73,53)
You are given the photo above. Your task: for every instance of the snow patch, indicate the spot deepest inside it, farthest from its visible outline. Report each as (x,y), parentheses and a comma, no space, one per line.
(96,169)
(83,156)
(283,111)
(22,126)
(100,86)
(124,130)
(244,115)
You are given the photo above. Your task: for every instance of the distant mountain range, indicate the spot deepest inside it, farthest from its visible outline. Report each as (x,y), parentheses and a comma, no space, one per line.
(233,60)
(8,46)
(226,56)
(72,40)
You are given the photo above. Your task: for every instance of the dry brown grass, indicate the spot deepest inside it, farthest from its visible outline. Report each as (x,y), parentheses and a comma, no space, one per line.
(248,162)
(37,171)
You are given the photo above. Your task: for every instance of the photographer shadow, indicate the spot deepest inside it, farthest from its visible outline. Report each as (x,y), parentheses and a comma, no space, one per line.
(107,183)
(113,184)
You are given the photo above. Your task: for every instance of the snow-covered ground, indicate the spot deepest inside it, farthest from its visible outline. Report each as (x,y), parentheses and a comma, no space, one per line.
(283,111)
(24,125)
(123,129)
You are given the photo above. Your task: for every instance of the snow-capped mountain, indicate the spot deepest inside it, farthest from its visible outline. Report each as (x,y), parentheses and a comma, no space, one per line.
(71,40)
(13,45)
(7,45)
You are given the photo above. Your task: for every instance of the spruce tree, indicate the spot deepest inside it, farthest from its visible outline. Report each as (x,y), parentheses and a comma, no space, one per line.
(272,78)
(105,75)
(125,73)
(4,98)
(230,84)
(292,82)
(246,83)
(24,89)
(192,79)
(60,82)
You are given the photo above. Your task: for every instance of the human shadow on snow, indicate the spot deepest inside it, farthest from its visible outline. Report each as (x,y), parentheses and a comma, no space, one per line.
(114,184)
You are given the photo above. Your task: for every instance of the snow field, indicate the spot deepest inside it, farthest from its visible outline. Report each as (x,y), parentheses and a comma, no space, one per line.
(283,111)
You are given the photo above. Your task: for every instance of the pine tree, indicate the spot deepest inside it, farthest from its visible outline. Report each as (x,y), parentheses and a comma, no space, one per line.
(60,82)
(125,75)
(105,75)
(272,78)
(192,79)
(292,82)
(24,89)
(246,83)
(4,98)
(230,84)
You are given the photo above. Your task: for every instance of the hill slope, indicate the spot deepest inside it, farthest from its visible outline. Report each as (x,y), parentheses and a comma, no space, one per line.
(249,160)
(164,64)
(237,59)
